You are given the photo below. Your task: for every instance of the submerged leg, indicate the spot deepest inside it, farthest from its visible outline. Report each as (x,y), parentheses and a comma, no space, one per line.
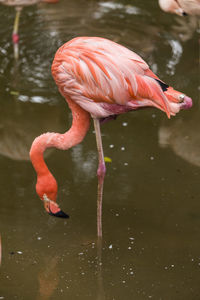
(15,36)
(101,171)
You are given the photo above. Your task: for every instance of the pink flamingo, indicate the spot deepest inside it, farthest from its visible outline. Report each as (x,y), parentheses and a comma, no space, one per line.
(99,79)
(181,7)
(19,4)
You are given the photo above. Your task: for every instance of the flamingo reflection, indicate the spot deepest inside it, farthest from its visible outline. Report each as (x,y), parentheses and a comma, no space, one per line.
(19,4)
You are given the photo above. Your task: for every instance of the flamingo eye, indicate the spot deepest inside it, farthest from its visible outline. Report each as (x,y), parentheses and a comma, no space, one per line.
(181,97)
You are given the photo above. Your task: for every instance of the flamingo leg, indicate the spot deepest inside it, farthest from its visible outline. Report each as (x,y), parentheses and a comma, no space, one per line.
(15,35)
(101,171)
(100,285)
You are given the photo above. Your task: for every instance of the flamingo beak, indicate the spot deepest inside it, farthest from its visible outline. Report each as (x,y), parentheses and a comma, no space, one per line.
(53,209)
(59,214)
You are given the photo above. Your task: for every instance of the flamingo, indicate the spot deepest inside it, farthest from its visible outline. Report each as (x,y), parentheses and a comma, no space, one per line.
(99,79)
(181,7)
(19,4)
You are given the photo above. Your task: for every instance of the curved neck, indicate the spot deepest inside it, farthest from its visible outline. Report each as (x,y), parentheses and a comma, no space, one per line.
(78,130)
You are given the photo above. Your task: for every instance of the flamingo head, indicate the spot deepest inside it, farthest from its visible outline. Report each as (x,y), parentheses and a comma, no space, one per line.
(46,189)
(177,101)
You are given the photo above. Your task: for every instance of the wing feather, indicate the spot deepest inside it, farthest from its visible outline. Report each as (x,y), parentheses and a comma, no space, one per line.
(99,70)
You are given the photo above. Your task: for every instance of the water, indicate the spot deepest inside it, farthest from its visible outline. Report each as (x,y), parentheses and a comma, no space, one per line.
(151,210)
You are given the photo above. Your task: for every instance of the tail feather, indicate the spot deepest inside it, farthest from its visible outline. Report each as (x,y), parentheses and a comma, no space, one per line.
(150,88)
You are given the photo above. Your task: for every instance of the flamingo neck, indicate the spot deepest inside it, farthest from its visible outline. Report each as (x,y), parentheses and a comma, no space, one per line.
(78,130)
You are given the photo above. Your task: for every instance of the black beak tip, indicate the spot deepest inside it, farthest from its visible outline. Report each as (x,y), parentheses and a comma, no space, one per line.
(59,214)
(185,14)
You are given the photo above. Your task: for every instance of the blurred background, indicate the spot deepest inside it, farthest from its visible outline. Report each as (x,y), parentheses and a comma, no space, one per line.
(151,207)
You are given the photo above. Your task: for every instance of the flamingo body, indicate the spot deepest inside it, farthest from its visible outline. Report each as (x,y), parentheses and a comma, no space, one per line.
(99,79)
(181,7)
(105,78)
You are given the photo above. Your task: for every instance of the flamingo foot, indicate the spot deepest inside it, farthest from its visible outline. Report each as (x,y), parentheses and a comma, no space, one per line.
(106,119)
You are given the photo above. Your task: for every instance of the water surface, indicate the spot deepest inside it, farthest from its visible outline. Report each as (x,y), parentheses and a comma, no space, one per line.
(151,208)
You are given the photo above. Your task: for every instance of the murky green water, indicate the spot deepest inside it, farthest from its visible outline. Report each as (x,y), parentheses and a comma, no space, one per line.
(151,207)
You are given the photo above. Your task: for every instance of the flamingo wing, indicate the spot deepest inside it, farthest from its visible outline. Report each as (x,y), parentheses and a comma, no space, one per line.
(97,73)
